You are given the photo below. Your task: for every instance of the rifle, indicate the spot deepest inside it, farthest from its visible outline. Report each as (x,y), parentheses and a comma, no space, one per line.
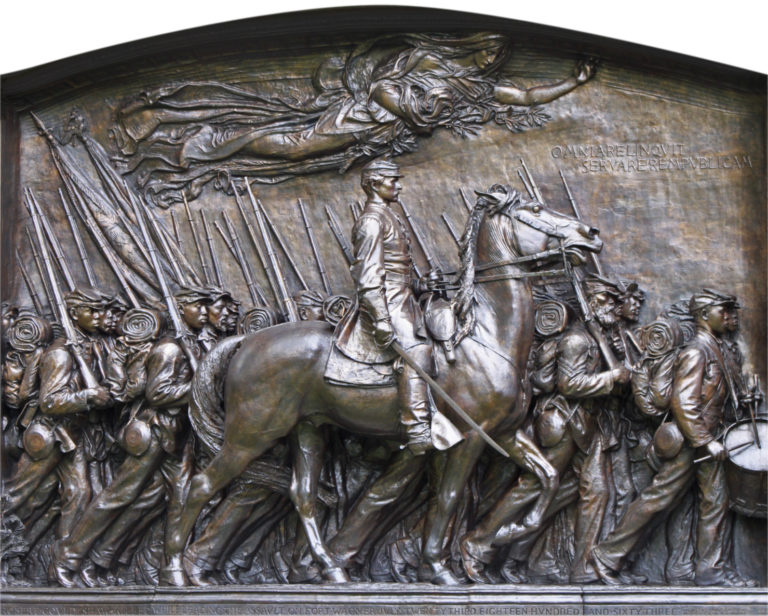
(315,250)
(30,289)
(163,241)
(333,222)
(257,295)
(420,241)
(292,312)
(209,239)
(182,331)
(54,243)
(355,213)
(196,240)
(39,267)
(78,241)
(535,188)
(64,319)
(101,242)
(595,259)
(283,246)
(528,188)
(176,236)
(256,245)
(451,230)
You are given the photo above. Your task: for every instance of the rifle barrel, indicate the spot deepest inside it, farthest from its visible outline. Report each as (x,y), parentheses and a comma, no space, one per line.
(535,188)
(257,295)
(209,239)
(41,274)
(283,246)
(577,214)
(78,241)
(196,240)
(64,319)
(315,249)
(451,230)
(54,243)
(30,289)
(466,200)
(333,223)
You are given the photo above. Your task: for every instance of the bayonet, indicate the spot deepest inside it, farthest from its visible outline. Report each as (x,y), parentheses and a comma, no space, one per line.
(535,188)
(283,246)
(209,239)
(466,200)
(577,214)
(196,240)
(78,241)
(176,235)
(256,245)
(451,230)
(257,295)
(333,223)
(40,273)
(64,319)
(182,331)
(290,306)
(53,242)
(30,289)
(315,249)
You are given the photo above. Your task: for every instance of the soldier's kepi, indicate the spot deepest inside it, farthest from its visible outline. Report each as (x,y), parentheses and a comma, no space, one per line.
(386,309)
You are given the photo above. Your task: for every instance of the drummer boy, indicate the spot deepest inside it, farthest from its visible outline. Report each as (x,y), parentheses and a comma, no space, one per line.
(699,396)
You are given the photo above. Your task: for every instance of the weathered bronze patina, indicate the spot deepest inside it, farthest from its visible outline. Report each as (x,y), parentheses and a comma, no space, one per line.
(266,304)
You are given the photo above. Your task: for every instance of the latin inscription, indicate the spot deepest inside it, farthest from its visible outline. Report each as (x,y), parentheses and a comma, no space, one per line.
(646,157)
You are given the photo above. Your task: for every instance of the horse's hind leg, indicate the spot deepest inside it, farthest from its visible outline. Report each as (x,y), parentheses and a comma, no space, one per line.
(228,464)
(308,449)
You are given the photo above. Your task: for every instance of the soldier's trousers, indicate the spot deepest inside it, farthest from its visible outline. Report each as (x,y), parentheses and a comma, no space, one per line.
(127,486)
(667,488)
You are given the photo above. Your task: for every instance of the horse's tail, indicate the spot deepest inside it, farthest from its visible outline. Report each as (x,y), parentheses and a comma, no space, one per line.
(206,409)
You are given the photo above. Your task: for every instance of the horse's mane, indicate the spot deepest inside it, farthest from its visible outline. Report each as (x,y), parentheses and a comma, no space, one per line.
(463,303)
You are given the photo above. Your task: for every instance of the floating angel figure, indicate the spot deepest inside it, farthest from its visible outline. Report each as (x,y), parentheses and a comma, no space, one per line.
(378,100)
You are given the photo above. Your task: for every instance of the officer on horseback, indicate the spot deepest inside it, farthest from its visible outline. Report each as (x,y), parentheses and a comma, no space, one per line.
(385,308)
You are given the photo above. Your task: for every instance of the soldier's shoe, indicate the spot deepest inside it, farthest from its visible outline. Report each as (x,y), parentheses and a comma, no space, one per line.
(475,556)
(88,574)
(64,576)
(607,575)
(727,578)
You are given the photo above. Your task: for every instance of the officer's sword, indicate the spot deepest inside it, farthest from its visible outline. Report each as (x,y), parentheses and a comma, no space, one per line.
(446,398)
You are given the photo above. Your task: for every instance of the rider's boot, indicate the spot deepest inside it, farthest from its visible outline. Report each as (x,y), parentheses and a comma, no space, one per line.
(414,406)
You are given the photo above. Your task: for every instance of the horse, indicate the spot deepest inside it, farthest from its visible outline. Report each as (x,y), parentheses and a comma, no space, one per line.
(274,387)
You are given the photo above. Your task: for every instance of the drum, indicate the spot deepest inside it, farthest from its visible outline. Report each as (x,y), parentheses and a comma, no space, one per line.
(746,469)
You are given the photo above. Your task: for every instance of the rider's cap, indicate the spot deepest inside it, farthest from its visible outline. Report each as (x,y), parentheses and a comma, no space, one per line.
(382,167)
(595,284)
(217,293)
(708,297)
(189,295)
(87,296)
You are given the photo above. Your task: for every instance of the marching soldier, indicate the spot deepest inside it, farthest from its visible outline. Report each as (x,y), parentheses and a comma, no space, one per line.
(157,440)
(700,393)
(385,308)
(571,433)
(223,313)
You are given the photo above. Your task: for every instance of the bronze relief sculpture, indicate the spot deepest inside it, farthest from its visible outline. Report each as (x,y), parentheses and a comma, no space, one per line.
(250,341)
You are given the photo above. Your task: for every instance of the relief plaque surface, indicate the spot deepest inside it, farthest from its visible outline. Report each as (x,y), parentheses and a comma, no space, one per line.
(367,308)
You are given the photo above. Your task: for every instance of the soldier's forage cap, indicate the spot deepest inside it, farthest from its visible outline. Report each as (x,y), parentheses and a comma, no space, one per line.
(708,297)
(310,299)
(216,293)
(87,296)
(594,284)
(118,302)
(189,295)
(381,167)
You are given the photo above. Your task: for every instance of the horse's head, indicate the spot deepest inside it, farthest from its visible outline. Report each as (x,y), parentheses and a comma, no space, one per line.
(533,228)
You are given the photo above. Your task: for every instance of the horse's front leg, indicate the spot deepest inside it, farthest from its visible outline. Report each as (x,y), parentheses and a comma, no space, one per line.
(442,506)
(308,447)
(525,453)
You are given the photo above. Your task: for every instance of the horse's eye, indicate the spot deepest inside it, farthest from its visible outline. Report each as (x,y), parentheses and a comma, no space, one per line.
(536,209)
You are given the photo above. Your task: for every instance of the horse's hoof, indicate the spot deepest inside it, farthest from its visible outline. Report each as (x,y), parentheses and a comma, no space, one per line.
(173,573)
(195,574)
(336,575)
(437,573)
